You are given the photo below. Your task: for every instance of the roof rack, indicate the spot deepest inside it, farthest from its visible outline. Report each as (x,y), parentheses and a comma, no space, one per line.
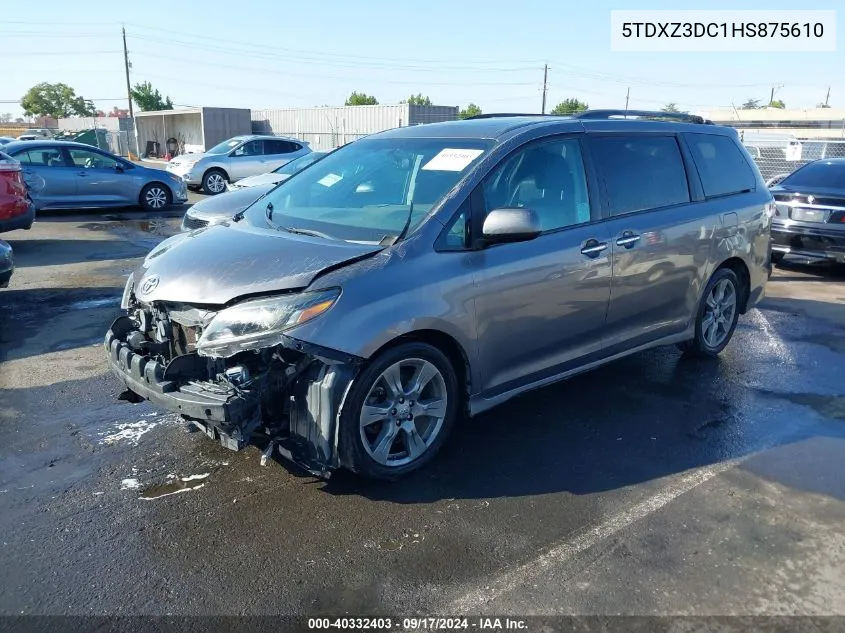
(496,115)
(642,114)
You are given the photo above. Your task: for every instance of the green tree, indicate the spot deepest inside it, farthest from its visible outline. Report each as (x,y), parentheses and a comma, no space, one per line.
(750,104)
(149,99)
(470,110)
(56,101)
(777,103)
(361,98)
(822,105)
(670,107)
(570,106)
(418,100)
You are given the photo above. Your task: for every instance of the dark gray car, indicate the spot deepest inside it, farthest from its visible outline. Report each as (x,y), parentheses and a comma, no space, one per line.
(67,175)
(355,313)
(7,264)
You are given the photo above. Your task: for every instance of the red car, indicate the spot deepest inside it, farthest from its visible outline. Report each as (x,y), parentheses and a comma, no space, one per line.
(16,209)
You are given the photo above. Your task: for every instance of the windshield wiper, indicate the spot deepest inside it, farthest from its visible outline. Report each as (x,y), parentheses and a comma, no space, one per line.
(298,231)
(390,240)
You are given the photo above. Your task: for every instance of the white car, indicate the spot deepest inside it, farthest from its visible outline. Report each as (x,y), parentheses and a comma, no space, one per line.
(279,174)
(235,159)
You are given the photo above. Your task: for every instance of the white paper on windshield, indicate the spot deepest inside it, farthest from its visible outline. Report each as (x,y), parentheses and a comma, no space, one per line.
(330,179)
(451,159)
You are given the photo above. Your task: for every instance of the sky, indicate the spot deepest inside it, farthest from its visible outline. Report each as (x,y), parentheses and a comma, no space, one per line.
(306,53)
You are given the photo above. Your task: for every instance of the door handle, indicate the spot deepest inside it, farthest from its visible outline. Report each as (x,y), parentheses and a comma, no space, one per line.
(593,248)
(82,174)
(628,239)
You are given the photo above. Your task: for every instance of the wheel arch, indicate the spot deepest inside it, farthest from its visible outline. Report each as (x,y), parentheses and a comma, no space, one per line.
(740,269)
(449,346)
(216,168)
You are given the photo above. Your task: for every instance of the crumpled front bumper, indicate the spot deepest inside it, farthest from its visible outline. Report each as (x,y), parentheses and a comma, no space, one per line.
(307,434)
(146,377)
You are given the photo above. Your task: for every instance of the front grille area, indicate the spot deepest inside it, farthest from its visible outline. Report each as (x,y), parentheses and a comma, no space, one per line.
(192,223)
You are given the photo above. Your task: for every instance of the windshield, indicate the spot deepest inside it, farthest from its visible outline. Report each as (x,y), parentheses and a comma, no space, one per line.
(225,146)
(366,190)
(298,164)
(825,173)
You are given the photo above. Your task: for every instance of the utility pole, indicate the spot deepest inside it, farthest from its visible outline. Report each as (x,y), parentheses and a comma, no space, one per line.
(772,96)
(627,98)
(545,87)
(129,93)
(827,98)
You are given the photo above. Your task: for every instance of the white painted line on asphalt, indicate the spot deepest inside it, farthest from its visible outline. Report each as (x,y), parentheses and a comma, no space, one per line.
(563,552)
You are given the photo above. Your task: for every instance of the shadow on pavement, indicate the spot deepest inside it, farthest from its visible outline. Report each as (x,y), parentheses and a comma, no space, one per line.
(65,319)
(30,253)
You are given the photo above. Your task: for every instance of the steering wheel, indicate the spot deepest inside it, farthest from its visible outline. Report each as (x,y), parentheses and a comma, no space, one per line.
(89,163)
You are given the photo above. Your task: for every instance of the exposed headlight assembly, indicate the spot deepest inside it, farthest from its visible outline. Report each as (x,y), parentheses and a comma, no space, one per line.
(259,322)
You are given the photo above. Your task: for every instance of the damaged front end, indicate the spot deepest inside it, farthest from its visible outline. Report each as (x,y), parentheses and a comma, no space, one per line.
(235,374)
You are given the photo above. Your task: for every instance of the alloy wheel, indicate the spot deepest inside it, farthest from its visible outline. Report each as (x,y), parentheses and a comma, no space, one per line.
(156,198)
(403,412)
(719,312)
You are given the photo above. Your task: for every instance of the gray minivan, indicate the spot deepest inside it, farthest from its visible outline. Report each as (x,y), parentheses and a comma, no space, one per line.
(356,312)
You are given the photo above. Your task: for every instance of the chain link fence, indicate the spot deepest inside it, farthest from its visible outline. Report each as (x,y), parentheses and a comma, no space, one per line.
(778,156)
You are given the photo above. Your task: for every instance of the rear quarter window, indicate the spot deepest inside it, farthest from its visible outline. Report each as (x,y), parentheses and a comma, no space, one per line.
(721,165)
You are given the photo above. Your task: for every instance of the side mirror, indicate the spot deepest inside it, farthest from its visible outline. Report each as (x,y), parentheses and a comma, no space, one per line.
(502,226)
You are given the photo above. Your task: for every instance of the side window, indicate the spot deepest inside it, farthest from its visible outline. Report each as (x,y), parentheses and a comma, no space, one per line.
(641,172)
(280,147)
(91,160)
(42,157)
(547,178)
(250,148)
(721,165)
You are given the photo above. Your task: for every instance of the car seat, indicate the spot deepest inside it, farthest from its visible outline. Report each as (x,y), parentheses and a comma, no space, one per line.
(554,198)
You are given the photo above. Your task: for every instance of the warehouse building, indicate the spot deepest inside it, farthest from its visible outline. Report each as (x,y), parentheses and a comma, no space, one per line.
(329,127)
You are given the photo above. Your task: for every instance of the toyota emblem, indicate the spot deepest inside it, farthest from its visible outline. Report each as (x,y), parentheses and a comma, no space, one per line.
(811,199)
(149,284)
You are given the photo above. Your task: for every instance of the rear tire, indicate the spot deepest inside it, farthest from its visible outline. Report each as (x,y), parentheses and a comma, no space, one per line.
(155,197)
(214,182)
(716,317)
(399,412)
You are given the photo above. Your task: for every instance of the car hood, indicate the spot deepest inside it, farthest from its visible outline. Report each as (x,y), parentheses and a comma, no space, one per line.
(188,158)
(263,179)
(223,206)
(215,265)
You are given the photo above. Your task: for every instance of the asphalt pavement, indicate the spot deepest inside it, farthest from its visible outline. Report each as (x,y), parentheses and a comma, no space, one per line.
(655,485)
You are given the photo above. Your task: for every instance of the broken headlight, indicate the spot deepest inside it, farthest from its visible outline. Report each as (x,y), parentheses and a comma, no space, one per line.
(257,323)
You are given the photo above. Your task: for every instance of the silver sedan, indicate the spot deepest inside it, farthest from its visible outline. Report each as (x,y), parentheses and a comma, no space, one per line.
(65,175)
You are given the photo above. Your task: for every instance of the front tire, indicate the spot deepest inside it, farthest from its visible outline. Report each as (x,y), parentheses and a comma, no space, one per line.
(214,182)
(717,315)
(155,197)
(399,412)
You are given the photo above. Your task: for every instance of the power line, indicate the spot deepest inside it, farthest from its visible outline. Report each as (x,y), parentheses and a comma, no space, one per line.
(285,73)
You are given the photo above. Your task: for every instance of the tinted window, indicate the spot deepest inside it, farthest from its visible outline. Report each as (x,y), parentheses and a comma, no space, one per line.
(91,160)
(823,173)
(280,147)
(641,172)
(548,178)
(41,157)
(721,165)
(251,148)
